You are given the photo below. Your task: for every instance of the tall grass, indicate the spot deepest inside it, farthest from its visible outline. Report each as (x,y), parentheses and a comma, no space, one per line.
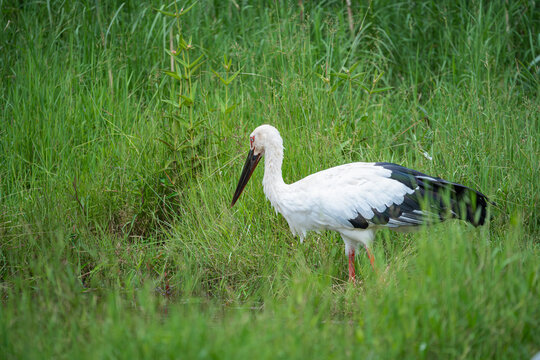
(103,254)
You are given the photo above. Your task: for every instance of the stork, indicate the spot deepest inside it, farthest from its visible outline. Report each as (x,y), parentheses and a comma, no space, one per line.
(357,199)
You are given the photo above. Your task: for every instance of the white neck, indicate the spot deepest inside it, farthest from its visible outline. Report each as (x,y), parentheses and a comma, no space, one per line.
(273,184)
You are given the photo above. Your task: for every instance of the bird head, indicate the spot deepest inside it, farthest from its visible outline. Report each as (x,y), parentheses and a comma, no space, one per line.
(263,138)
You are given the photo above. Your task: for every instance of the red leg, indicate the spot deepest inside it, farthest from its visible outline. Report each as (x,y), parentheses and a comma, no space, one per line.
(352,275)
(371,258)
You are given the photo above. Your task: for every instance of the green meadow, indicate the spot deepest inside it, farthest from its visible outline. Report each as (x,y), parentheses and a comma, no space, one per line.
(123,130)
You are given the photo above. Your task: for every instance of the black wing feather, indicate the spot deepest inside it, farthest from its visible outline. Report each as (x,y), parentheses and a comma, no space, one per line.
(433,200)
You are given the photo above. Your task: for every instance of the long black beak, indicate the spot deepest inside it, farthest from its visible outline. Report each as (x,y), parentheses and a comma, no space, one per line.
(249,166)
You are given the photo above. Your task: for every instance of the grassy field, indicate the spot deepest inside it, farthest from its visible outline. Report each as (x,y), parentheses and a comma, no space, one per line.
(117,239)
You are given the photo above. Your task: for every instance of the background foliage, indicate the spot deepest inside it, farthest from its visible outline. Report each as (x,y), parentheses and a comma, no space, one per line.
(116,242)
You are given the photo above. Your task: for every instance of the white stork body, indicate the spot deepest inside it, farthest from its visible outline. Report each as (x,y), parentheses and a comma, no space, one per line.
(328,199)
(358,198)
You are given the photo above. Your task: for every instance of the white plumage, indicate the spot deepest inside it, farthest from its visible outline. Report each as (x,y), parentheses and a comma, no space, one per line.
(358,198)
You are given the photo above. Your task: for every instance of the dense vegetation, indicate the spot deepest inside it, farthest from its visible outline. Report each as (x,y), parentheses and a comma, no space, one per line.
(116,235)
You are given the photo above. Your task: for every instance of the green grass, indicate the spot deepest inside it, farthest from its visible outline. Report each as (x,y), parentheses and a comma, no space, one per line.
(110,250)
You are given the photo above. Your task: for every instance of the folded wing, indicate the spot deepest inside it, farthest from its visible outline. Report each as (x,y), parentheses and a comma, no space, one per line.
(362,195)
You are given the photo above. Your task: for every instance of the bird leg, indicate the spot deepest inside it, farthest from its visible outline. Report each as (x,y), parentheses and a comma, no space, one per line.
(352,275)
(371,258)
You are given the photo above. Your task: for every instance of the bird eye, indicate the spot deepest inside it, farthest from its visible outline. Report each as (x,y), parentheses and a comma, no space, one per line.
(251,140)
